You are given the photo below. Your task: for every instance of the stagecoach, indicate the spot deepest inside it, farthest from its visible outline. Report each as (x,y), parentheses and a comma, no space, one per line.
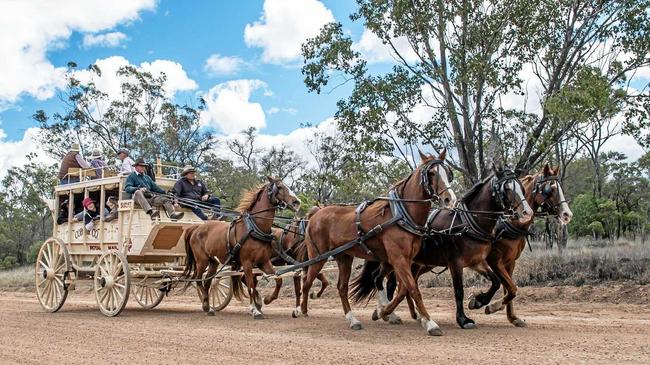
(132,254)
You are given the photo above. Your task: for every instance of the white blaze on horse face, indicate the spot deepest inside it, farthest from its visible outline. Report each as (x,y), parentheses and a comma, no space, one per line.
(442,172)
(525,212)
(564,213)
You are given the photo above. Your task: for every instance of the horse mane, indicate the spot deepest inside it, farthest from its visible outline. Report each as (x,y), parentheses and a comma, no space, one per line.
(469,194)
(249,197)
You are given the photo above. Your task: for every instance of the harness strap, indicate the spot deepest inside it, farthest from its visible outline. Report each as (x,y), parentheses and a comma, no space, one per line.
(474,230)
(360,232)
(404,218)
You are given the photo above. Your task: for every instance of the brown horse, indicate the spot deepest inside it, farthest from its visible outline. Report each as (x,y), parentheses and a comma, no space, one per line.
(544,193)
(391,228)
(245,243)
(469,247)
(291,240)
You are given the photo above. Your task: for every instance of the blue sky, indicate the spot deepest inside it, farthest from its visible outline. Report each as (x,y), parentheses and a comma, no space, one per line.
(189,35)
(242,57)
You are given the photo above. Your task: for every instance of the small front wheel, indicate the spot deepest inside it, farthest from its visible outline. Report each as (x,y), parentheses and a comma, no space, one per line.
(220,293)
(112,283)
(147,294)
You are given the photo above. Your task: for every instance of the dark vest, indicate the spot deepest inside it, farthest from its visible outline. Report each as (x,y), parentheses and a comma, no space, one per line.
(68,162)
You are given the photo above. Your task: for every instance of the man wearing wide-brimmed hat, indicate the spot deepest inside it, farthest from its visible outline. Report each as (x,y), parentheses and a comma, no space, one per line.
(146,193)
(190,190)
(97,162)
(126,167)
(73,159)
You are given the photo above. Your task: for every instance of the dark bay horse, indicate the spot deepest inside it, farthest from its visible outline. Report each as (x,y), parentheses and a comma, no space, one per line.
(245,243)
(292,241)
(397,244)
(544,193)
(474,221)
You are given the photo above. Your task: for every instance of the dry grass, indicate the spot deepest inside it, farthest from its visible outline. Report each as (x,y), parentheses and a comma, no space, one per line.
(582,262)
(21,277)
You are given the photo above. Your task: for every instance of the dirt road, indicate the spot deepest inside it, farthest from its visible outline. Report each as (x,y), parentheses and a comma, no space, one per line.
(561,329)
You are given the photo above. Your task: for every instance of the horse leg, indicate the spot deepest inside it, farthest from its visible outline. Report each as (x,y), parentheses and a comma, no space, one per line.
(207,284)
(408,285)
(307,282)
(200,286)
(456,272)
(251,284)
(483,299)
(384,296)
(297,285)
(510,309)
(345,270)
(268,269)
(324,283)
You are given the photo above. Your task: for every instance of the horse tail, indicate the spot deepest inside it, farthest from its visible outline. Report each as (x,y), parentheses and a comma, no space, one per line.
(238,288)
(190,261)
(363,286)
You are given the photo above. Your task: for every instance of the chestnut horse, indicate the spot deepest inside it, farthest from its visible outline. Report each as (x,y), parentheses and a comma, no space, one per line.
(291,240)
(544,193)
(388,230)
(245,242)
(474,222)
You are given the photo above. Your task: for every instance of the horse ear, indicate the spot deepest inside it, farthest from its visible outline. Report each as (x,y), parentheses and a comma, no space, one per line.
(271,180)
(443,155)
(547,169)
(423,156)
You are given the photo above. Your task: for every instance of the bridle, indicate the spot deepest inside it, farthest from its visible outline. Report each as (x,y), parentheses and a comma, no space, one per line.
(425,181)
(272,189)
(543,186)
(500,188)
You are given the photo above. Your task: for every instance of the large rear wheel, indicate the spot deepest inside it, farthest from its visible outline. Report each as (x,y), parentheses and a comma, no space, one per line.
(52,266)
(112,283)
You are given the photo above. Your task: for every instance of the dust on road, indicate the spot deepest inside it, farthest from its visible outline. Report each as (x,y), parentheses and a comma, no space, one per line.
(560,329)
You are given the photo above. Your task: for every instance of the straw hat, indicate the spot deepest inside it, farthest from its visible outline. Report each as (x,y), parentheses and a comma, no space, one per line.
(75,147)
(96,154)
(140,162)
(187,169)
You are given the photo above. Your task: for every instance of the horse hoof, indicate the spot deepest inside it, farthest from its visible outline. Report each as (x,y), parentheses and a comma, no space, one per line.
(258,316)
(267,301)
(435,332)
(394,319)
(211,313)
(375,315)
(473,304)
(313,295)
(519,323)
(469,326)
(206,307)
(356,326)
(293,314)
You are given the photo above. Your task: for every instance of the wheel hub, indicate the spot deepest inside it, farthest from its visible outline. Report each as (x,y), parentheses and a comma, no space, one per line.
(107,281)
(48,274)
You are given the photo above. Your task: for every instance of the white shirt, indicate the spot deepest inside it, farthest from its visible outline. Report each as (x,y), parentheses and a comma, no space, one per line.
(127,166)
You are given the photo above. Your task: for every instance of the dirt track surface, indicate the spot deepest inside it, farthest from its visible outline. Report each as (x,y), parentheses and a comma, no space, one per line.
(563,327)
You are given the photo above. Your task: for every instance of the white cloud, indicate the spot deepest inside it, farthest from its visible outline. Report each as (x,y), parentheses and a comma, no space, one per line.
(110,83)
(276,110)
(284,26)
(626,145)
(217,65)
(374,51)
(228,106)
(294,140)
(108,40)
(28,29)
(14,153)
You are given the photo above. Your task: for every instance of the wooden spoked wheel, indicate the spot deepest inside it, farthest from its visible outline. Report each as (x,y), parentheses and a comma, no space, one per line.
(112,283)
(52,266)
(147,294)
(220,293)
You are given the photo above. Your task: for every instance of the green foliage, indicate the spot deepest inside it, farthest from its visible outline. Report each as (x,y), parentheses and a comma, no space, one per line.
(596,228)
